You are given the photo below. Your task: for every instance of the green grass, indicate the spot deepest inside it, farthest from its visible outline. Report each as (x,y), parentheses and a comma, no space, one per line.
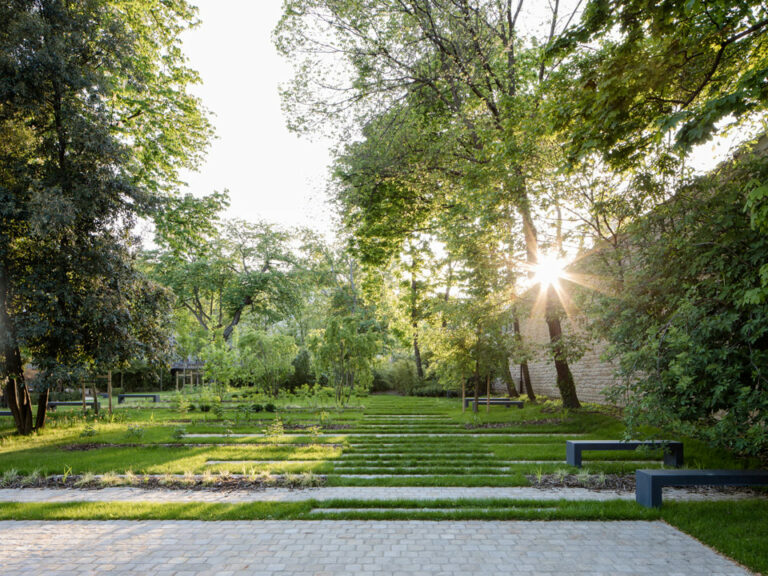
(737,529)
(362,510)
(478,448)
(355,449)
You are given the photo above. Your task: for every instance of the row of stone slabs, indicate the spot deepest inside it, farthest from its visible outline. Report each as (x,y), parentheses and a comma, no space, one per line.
(386,435)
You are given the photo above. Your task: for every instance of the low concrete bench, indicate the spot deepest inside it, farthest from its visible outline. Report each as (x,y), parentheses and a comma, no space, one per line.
(88,402)
(673,451)
(494,402)
(121,397)
(648,483)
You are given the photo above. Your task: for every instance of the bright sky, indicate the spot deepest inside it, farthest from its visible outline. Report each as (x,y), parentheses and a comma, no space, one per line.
(271,174)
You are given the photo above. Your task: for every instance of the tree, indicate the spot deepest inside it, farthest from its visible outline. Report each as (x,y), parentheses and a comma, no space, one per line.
(689,325)
(636,70)
(244,267)
(266,359)
(463,61)
(94,101)
(344,350)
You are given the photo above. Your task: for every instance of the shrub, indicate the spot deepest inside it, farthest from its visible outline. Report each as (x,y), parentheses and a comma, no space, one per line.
(134,432)
(434,390)
(180,403)
(270,407)
(275,429)
(399,375)
(218,410)
(256,407)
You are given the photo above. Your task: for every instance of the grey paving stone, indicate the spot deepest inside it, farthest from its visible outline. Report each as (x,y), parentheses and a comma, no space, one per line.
(195,548)
(126,494)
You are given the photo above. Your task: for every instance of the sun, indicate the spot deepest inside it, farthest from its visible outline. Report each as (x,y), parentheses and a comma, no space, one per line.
(548,270)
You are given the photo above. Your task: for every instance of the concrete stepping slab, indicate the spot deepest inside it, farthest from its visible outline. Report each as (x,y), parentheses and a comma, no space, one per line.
(325,493)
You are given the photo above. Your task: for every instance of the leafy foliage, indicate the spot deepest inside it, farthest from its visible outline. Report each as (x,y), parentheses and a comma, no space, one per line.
(638,69)
(691,336)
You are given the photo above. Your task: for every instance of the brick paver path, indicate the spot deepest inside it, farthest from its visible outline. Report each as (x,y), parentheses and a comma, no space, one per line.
(289,548)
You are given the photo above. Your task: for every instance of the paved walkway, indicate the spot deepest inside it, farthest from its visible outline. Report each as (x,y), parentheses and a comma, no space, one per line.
(121,494)
(360,548)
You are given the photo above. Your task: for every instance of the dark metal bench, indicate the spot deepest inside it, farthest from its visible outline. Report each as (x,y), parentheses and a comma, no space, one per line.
(121,397)
(89,402)
(494,402)
(673,451)
(6,413)
(648,483)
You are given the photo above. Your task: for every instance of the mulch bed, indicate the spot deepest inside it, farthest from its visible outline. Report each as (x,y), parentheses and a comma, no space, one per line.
(85,447)
(625,483)
(593,482)
(214,484)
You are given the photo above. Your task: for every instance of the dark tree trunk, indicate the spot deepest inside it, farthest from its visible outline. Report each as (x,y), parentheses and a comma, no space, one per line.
(16,391)
(42,409)
(525,381)
(477,391)
(525,375)
(417,354)
(506,374)
(565,382)
(415,321)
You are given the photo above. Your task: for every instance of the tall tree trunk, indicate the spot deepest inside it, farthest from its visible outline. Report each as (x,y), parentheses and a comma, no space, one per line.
(95,393)
(565,382)
(42,408)
(417,354)
(109,392)
(476,378)
(506,375)
(525,375)
(16,391)
(415,317)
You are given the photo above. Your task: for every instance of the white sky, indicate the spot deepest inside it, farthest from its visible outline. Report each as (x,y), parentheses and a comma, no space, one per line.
(271,174)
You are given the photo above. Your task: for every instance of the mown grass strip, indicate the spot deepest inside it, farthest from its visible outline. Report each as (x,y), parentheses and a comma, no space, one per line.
(313,510)
(737,529)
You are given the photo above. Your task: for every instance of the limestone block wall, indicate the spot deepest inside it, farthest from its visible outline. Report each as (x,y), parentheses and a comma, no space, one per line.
(591,374)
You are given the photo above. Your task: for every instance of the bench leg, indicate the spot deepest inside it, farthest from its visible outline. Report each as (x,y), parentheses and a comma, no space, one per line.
(647,492)
(573,455)
(673,456)
(120,400)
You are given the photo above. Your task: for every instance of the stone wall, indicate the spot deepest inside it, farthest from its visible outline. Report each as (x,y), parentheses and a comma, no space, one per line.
(591,374)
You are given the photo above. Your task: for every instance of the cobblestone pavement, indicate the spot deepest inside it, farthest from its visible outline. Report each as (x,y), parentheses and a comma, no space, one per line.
(351,492)
(289,548)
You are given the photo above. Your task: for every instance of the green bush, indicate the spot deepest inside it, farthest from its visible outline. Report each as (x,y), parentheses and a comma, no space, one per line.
(434,390)
(270,407)
(398,375)
(256,407)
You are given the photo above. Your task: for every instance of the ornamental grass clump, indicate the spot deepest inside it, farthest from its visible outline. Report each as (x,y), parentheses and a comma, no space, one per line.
(32,479)
(85,479)
(9,477)
(110,479)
